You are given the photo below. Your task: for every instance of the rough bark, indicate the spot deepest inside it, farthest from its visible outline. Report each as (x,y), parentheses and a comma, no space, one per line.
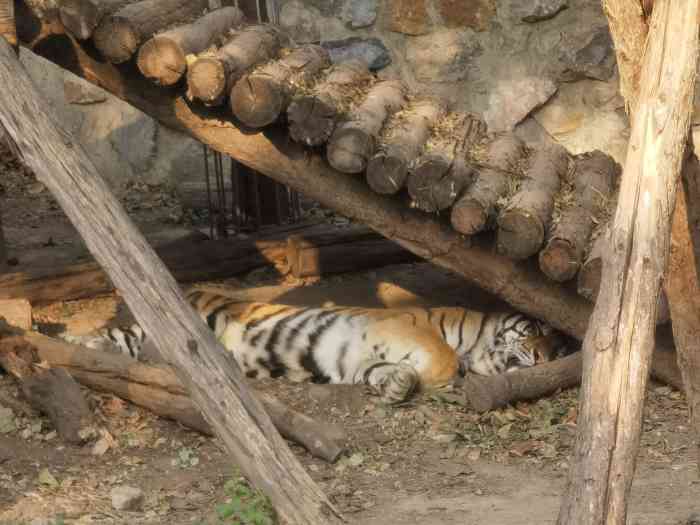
(683,291)
(400,147)
(163,58)
(442,172)
(313,117)
(51,391)
(593,183)
(283,160)
(618,346)
(119,35)
(212,75)
(260,97)
(81,17)
(484,393)
(353,142)
(8,28)
(523,224)
(157,388)
(476,209)
(210,374)
(340,251)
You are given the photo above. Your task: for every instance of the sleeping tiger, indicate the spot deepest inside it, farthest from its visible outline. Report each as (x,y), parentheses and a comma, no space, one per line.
(394,351)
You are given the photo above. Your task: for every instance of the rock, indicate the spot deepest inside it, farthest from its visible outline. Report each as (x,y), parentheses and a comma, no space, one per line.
(442,56)
(512,101)
(537,10)
(126,498)
(474,14)
(360,13)
(588,56)
(409,17)
(371,50)
(300,22)
(587,115)
(7,420)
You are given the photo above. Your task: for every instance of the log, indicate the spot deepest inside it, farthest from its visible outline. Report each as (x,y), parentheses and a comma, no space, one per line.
(683,291)
(592,188)
(3,245)
(279,158)
(313,117)
(484,393)
(16,312)
(620,340)
(401,145)
(51,391)
(442,172)
(212,75)
(163,58)
(476,209)
(119,35)
(211,376)
(81,17)
(524,222)
(353,142)
(590,275)
(260,97)
(157,388)
(353,249)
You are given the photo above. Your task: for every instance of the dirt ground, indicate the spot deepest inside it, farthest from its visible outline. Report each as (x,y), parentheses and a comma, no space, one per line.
(428,461)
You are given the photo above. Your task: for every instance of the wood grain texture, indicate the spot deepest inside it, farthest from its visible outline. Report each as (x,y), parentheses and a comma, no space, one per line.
(618,346)
(210,374)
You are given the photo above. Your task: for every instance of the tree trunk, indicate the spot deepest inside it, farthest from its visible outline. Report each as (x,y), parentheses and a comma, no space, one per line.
(523,224)
(683,291)
(313,117)
(401,145)
(210,374)
(260,97)
(476,209)
(163,58)
(593,182)
(119,35)
(619,342)
(212,75)
(354,141)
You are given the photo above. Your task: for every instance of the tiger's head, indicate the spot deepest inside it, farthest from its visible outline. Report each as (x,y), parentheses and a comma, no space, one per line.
(528,342)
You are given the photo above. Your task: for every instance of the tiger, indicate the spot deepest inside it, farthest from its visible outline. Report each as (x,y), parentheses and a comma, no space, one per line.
(394,351)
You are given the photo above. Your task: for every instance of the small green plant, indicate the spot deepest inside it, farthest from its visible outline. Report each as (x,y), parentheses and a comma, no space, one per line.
(245,506)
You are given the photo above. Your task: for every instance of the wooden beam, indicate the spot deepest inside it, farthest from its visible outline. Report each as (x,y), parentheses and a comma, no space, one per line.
(211,376)
(619,343)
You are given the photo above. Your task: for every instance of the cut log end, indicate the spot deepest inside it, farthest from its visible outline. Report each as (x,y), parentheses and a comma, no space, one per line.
(468,217)
(311,121)
(349,150)
(161,60)
(79,17)
(559,260)
(257,101)
(206,80)
(520,234)
(386,173)
(116,39)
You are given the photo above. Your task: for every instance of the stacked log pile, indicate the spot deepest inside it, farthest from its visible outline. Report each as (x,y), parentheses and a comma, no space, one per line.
(543,205)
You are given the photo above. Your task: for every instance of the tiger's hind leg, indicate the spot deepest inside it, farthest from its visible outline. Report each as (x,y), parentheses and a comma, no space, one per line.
(393,382)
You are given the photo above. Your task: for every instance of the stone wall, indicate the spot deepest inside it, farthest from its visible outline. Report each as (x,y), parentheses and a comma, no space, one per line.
(544,67)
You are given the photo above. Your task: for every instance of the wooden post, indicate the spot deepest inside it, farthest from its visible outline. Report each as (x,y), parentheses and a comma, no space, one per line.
(210,374)
(620,339)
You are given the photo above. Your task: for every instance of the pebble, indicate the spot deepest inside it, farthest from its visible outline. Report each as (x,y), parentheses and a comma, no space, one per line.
(126,498)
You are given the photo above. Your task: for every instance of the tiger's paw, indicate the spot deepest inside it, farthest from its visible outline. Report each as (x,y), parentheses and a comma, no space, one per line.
(398,384)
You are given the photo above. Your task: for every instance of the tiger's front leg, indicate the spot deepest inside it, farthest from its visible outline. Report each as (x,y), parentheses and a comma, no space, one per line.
(393,382)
